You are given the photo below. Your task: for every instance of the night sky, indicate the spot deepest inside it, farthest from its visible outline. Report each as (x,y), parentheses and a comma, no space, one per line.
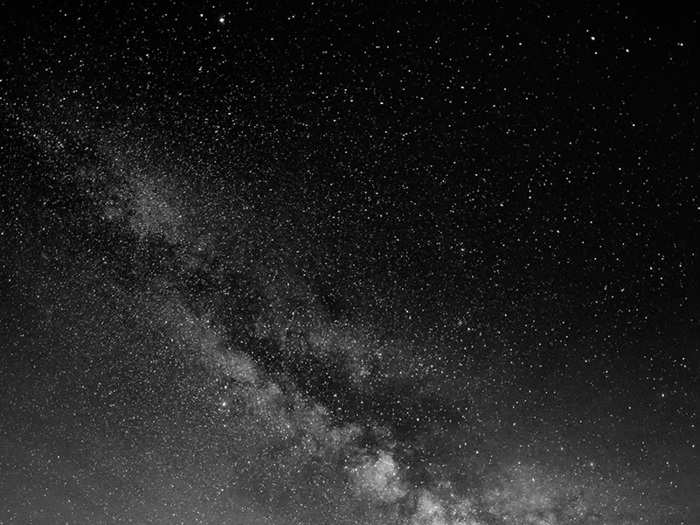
(353,263)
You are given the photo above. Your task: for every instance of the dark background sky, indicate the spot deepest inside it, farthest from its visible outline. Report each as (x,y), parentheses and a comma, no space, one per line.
(467,228)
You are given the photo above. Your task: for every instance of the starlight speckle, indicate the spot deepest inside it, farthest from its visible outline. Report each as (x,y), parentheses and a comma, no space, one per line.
(348,265)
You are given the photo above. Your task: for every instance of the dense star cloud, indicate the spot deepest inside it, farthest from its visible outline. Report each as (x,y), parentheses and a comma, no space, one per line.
(427,265)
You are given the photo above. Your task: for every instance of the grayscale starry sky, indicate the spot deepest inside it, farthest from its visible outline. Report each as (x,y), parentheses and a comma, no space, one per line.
(416,263)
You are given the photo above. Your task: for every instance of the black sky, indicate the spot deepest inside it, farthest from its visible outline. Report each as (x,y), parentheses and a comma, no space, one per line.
(411,263)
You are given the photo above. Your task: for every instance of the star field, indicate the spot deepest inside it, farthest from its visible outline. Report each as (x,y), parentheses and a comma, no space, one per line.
(420,264)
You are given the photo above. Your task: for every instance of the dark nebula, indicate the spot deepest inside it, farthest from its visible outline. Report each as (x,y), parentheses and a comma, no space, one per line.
(349,263)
